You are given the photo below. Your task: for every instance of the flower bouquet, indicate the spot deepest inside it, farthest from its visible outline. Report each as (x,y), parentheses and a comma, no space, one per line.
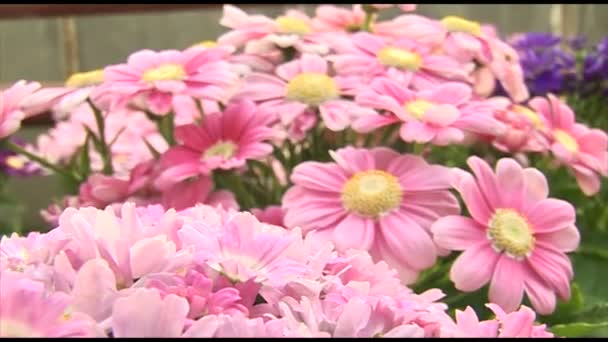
(329,176)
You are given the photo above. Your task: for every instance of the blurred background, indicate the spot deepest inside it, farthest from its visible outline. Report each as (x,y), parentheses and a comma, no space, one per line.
(47,43)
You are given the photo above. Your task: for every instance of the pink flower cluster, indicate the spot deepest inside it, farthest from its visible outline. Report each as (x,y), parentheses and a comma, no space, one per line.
(205,272)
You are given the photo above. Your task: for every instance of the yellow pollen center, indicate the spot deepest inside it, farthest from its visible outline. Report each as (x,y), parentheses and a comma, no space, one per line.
(206,44)
(418,107)
(529,114)
(511,232)
(14,162)
(85,79)
(400,58)
(166,72)
(293,25)
(312,89)
(224,149)
(566,140)
(458,24)
(371,193)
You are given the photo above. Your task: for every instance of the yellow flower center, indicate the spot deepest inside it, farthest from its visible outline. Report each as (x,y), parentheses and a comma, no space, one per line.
(566,140)
(511,232)
(224,149)
(312,88)
(293,25)
(418,107)
(85,79)
(529,114)
(14,162)
(400,58)
(458,24)
(166,72)
(206,44)
(371,193)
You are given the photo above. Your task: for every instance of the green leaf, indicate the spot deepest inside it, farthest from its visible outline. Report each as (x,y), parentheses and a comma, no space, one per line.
(578,329)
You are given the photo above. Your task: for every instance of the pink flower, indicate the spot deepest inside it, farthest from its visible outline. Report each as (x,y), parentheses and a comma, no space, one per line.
(272,215)
(221,141)
(516,239)
(404,60)
(507,70)
(583,150)
(27,310)
(304,84)
(334,18)
(155,77)
(375,200)
(438,115)
(11,109)
(192,191)
(233,326)
(468,325)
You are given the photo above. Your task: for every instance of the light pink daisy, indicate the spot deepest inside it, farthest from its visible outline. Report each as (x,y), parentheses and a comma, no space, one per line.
(516,239)
(11,109)
(438,115)
(334,18)
(376,200)
(155,77)
(221,141)
(404,60)
(304,84)
(28,310)
(583,150)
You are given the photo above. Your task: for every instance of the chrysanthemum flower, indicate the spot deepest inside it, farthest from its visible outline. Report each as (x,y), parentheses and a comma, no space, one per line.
(375,200)
(583,150)
(28,310)
(438,115)
(404,60)
(516,239)
(304,84)
(221,141)
(156,77)
(11,109)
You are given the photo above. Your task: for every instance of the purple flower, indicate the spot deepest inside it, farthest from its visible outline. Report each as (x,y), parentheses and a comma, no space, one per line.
(13,164)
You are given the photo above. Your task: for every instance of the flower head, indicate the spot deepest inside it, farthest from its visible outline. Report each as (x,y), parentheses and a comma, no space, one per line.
(11,109)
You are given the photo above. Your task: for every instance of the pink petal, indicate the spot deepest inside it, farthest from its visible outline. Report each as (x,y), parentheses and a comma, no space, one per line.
(441,115)
(474,200)
(507,284)
(319,176)
(537,188)
(335,115)
(566,240)
(541,296)
(415,131)
(451,93)
(487,181)
(457,232)
(589,182)
(313,64)
(353,160)
(371,123)
(550,215)
(509,176)
(474,267)
(553,266)
(354,232)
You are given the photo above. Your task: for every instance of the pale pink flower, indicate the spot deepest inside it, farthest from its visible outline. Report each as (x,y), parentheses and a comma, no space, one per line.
(301,85)
(516,239)
(519,323)
(468,325)
(155,77)
(222,140)
(233,326)
(507,70)
(583,150)
(334,18)
(376,200)
(272,214)
(438,115)
(28,310)
(11,109)
(525,127)
(404,60)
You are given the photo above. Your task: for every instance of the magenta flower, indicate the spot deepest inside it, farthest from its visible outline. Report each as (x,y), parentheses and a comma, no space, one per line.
(303,85)
(404,60)
(583,150)
(516,239)
(155,77)
(441,115)
(375,200)
(11,108)
(221,141)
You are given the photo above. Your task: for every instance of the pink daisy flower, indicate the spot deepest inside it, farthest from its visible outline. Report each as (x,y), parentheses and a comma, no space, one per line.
(302,85)
(155,77)
(583,150)
(376,200)
(333,18)
(438,115)
(28,310)
(11,108)
(221,141)
(404,60)
(516,239)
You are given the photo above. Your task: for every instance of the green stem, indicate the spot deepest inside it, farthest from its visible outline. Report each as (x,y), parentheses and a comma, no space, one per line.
(369,19)
(103,148)
(166,127)
(592,252)
(450,301)
(18,149)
